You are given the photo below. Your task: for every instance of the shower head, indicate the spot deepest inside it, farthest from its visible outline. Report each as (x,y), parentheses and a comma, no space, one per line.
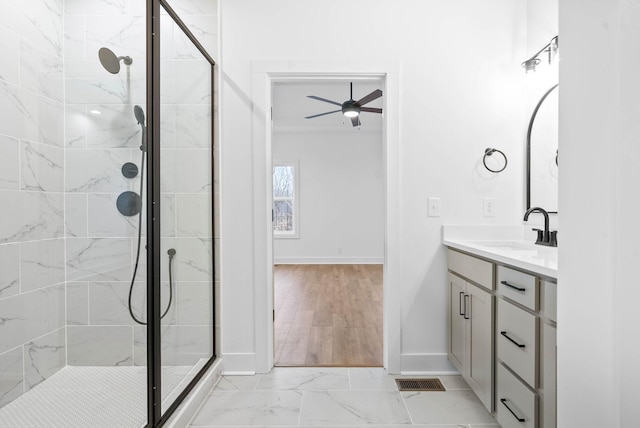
(111,62)
(139,114)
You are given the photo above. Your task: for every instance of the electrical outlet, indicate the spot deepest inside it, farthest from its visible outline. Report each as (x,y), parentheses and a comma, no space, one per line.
(489,207)
(433,207)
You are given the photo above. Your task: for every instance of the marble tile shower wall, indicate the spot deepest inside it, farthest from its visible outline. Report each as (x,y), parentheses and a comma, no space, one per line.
(101,243)
(101,135)
(32,306)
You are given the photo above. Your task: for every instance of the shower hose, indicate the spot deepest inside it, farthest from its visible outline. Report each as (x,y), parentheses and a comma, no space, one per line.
(171,253)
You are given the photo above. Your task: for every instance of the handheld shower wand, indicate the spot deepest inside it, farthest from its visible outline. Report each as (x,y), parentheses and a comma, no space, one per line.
(138,112)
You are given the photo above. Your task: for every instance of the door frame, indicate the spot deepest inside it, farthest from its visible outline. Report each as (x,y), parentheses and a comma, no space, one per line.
(264,75)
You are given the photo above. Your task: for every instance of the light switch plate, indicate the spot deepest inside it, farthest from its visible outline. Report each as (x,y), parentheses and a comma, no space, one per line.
(433,207)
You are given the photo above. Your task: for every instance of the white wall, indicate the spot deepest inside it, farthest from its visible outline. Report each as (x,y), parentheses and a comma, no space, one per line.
(341,215)
(598,292)
(461,91)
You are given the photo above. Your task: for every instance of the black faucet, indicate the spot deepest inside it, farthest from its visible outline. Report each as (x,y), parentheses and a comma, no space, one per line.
(545,237)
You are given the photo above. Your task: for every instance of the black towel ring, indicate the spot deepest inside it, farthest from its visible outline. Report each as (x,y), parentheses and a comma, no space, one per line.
(489,152)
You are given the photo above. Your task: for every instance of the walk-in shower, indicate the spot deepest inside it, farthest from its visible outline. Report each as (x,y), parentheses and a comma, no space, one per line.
(107,256)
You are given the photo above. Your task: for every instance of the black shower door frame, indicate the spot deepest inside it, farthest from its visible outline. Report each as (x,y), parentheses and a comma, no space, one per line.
(155,417)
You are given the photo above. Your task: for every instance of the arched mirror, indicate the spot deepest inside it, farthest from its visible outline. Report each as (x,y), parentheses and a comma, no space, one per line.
(542,153)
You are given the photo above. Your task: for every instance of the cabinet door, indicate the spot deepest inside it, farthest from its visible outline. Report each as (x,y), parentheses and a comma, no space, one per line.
(548,368)
(457,342)
(480,352)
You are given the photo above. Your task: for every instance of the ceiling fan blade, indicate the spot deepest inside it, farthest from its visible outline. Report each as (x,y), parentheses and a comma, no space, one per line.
(372,96)
(371,109)
(325,100)
(356,121)
(322,114)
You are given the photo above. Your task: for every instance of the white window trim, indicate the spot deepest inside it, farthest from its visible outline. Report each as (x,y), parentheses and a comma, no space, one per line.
(296,199)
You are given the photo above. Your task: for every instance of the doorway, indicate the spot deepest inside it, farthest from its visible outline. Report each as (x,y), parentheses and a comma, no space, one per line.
(265,74)
(328,221)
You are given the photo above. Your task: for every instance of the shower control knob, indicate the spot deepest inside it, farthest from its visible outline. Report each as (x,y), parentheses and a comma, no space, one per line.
(130,170)
(129,203)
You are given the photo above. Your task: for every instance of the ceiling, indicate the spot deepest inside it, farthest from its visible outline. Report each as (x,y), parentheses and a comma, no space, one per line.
(291,105)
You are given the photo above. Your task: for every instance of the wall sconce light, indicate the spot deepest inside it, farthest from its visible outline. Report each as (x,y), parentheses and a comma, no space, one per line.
(551,49)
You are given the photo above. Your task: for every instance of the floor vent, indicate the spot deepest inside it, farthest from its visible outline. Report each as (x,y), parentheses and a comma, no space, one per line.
(420,385)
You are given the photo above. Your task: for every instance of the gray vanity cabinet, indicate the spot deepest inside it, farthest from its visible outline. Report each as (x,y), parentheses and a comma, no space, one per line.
(471,325)
(502,339)
(526,351)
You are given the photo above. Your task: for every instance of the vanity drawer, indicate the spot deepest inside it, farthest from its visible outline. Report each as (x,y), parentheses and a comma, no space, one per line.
(519,287)
(548,298)
(516,404)
(474,269)
(517,340)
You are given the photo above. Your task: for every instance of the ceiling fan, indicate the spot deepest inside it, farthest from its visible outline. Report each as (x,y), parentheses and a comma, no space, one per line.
(351,108)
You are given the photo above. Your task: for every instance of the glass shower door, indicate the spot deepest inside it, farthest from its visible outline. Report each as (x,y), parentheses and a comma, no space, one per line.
(186,215)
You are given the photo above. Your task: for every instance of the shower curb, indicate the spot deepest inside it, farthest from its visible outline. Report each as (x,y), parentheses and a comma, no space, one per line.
(189,407)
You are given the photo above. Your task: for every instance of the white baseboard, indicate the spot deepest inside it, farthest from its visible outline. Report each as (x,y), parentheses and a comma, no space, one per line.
(426,364)
(328,260)
(239,364)
(189,407)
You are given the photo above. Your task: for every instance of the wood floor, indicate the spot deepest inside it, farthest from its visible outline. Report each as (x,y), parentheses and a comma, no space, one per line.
(328,315)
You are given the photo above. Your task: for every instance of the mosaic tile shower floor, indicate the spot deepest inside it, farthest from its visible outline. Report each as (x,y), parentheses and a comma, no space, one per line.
(90,397)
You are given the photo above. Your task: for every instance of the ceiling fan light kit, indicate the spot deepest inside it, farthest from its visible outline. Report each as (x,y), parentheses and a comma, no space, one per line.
(351,108)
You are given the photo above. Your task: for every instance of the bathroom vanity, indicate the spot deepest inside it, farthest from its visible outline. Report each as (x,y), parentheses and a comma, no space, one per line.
(502,325)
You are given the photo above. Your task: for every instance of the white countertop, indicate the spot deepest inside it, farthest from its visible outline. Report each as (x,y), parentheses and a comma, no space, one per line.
(504,244)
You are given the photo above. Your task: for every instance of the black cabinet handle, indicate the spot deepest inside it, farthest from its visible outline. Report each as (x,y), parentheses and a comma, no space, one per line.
(519,345)
(460,303)
(465,306)
(504,402)
(522,290)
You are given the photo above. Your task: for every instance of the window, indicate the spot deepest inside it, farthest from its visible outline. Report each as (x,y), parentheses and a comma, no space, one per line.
(285,200)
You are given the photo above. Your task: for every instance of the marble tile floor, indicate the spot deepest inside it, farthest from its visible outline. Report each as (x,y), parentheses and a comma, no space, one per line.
(337,397)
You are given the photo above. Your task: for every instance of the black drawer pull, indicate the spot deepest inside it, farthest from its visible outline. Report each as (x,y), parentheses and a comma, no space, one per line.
(504,401)
(519,345)
(465,306)
(522,290)
(460,303)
